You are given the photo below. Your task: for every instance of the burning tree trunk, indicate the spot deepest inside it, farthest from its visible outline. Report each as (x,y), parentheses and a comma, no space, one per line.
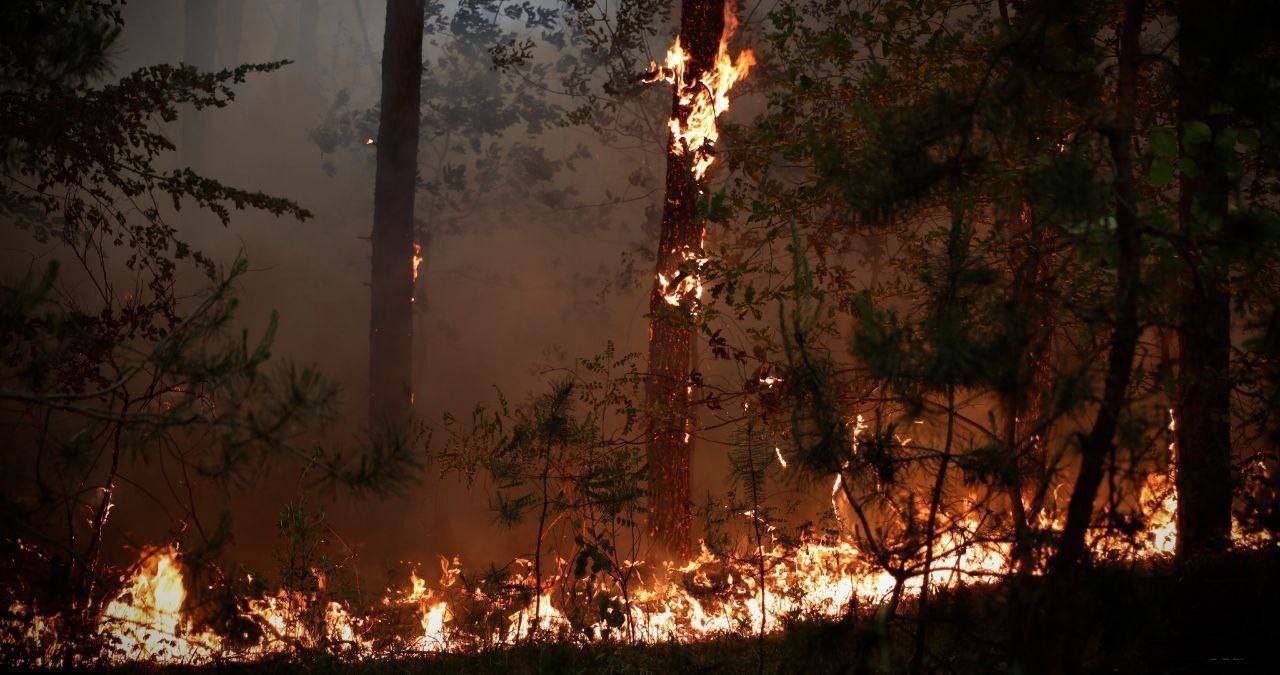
(699,68)
(391,326)
(1202,410)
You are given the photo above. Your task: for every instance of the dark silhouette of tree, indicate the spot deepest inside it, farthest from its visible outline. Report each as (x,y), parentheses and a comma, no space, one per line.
(199,49)
(120,364)
(391,287)
(1099,443)
(1207,49)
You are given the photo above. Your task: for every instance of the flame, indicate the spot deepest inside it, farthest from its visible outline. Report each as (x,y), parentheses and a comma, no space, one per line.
(549,620)
(704,98)
(145,621)
(1159,500)
(709,595)
(417,262)
(680,286)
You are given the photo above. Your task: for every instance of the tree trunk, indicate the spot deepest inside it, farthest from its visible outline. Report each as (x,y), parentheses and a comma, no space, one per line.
(308,36)
(391,324)
(232,33)
(1202,410)
(1100,441)
(1020,404)
(200,33)
(1059,641)
(671,327)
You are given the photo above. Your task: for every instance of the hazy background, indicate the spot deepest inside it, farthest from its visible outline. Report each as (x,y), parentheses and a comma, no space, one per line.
(516,286)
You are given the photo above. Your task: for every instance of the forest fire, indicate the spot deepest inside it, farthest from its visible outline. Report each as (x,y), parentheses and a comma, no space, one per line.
(962,348)
(707,596)
(146,621)
(705,97)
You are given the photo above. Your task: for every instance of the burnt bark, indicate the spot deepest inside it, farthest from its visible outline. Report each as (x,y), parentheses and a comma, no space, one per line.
(671,328)
(1202,410)
(1099,443)
(391,292)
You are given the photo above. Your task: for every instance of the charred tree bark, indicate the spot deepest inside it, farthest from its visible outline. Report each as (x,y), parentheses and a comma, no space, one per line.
(1202,410)
(391,316)
(1099,443)
(200,47)
(671,328)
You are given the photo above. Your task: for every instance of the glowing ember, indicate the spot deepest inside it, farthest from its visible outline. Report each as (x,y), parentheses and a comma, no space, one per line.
(417,262)
(683,286)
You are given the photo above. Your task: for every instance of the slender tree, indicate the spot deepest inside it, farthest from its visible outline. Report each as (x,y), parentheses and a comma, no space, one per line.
(232,21)
(1099,442)
(200,47)
(391,325)
(1202,410)
(671,432)
(308,35)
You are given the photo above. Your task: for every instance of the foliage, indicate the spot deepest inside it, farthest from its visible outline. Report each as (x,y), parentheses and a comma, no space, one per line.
(112,369)
(569,463)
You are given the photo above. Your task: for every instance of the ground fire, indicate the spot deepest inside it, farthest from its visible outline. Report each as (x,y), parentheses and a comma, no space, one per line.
(698,599)
(831,336)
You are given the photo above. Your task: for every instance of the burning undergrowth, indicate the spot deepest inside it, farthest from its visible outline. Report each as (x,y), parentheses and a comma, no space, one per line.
(819,574)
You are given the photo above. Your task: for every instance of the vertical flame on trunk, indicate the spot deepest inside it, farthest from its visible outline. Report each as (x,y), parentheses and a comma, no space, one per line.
(705,97)
(417,262)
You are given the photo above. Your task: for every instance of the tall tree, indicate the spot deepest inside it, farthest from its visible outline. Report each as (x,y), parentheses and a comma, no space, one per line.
(200,47)
(1099,443)
(232,22)
(1202,411)
(671,327)
(391,324)
(308,35)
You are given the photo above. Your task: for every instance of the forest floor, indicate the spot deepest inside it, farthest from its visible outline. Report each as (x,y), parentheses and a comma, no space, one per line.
(1222,616)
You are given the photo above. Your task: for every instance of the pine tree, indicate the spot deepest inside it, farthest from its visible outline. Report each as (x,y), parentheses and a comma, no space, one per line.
(391,288)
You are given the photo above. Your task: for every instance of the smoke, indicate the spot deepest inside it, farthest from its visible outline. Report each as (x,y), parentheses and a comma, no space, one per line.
(534,269)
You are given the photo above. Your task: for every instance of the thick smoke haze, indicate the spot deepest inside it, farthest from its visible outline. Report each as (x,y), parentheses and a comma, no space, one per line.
(507,290)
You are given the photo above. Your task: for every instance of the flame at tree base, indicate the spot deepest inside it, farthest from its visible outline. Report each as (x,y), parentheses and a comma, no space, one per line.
(708,596)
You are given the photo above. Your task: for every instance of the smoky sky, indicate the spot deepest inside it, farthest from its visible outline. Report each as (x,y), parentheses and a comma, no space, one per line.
(535,275)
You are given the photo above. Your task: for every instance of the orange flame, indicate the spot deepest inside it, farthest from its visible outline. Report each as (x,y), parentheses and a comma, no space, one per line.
(706,98)
(145,621)
(704,597)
